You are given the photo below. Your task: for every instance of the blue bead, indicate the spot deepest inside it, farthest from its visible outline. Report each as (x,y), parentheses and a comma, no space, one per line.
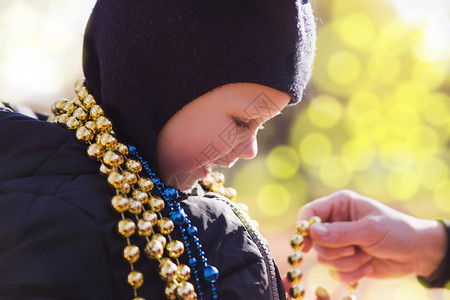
(201,253)
(156,181)
(171,193)
(211,274)
(192,261)
(132,148)
(196,239)
(177,216)
(192,230)
(187,244)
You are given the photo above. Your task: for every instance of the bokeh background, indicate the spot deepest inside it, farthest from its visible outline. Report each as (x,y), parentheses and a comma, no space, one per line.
(375,117)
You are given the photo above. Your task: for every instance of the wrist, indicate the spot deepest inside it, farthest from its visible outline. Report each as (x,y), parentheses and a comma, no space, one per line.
(432,241)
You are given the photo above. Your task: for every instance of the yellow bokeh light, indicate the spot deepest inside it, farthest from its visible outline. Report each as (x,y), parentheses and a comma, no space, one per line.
(335,172)
(423,141)
(363,107)
(437,109)
(358,153)
(433,172)
(344,67)
(324,111)
(356,30)
(411,289)
(394,39)
(282,162)
(383,67)
(273,199)
(442,198)
(318,275)
(396,155)
(315,149)
(403,185)
(431,75)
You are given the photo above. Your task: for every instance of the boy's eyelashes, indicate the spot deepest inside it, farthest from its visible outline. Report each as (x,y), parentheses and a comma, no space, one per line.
(245,124)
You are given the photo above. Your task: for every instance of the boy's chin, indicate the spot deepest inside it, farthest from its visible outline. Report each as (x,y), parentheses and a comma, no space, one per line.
(181,183)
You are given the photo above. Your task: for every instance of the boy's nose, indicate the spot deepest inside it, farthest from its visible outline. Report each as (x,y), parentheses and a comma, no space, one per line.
(247,150)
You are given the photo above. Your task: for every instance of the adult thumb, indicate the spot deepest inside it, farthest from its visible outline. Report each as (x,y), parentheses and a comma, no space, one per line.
(341,234)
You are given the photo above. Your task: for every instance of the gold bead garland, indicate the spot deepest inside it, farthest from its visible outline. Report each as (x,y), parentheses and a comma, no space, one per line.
(295,259)
(133,194)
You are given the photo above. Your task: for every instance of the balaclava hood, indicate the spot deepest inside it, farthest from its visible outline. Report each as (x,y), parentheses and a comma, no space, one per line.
(144,60)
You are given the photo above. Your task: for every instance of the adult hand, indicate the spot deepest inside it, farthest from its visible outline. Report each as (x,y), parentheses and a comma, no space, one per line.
(361,237)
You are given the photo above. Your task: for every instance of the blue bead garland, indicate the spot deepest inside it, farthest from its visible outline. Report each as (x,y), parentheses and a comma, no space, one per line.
(188,232)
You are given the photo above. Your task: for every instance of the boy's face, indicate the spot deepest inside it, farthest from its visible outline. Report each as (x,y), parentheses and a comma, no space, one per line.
(216,128)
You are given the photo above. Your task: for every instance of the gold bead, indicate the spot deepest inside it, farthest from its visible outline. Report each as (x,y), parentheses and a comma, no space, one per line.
(139,195)
(150,217)
(80,114)
(302,227)
(145,184)
(82,93)
(135,207)
(104,170)
(123,149)
(219,178)
(350,297)
(175,248)
(84,135)
(131,253)
(168,271)
(352,286)
(156,204)
(77,102)
(116,180)
(154,249)
(113,159)
(243,206)
(120,203)
(62,119)
(138,298)
(208,181)
(135,279)
(171,290)
(57,107)
(103,125)
(165,225)
(315,220)
(91,126)
(297,242)
(126,227)
(79,84)
(96,111)
(160,238)
(125,189)
(230,193)
(69,107)
(145,228)
(95,151)
(133,166)
(130,177)
(185,290)
(295,274)
(184,272)
(297,291)
(108,141)
(295,258)
(72,123)
(89,102)
(217,188)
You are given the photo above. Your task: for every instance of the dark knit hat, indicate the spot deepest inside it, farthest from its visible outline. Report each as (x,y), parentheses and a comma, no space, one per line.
(144,59)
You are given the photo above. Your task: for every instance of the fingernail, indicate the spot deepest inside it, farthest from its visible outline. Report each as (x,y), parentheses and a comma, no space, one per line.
(321,230)
(367,269)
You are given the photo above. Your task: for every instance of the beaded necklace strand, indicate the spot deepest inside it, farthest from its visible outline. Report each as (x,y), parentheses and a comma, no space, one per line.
(136,198)
(295,259)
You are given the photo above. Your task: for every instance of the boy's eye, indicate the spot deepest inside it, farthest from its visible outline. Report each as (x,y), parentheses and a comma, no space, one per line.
(241,123)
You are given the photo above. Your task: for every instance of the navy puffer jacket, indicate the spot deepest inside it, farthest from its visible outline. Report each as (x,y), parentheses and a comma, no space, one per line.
(58,235)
